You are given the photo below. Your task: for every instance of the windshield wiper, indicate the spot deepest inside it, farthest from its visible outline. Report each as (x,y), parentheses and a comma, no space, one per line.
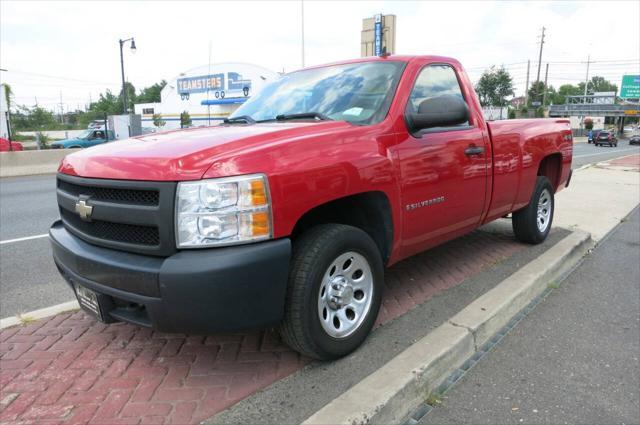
(239,119)
(303,115)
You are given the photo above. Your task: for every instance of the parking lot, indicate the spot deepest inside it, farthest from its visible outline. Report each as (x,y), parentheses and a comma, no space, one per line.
(28,207)
(73,369)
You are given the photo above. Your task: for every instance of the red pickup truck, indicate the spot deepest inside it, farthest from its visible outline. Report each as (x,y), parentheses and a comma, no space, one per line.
(286,214)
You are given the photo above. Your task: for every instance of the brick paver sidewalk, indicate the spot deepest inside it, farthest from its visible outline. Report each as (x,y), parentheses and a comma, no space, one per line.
(632,161)
(71,369)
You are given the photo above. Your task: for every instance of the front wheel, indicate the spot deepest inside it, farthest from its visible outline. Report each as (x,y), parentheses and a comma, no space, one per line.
(532,223)
(334,292)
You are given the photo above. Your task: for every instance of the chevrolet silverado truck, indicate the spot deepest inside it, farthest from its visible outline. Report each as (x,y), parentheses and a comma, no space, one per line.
(287,213)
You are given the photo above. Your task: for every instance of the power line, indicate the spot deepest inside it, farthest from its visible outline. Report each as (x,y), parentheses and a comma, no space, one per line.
(61,78)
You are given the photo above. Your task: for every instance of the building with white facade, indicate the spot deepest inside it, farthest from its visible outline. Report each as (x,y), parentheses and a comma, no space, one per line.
(209,93)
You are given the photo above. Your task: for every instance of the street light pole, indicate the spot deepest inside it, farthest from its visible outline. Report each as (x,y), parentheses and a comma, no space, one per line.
(124,91)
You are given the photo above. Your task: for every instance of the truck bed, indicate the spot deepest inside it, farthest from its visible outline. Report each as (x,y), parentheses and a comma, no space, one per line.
(518,148)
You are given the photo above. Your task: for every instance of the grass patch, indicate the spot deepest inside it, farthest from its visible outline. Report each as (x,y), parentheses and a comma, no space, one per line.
(553,285)
(434,399)
(25,319)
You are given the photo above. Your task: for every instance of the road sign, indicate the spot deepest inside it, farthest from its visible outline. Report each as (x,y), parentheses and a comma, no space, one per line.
(630,88)
(536,103)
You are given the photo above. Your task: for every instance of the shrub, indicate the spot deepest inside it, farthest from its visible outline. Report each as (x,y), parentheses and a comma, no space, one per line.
(43,140)
(588,124)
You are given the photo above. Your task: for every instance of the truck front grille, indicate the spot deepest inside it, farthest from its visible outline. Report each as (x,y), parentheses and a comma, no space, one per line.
(127,196)
(119,232)
(126,215)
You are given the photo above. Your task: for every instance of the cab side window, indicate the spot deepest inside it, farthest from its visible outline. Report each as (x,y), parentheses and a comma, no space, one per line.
(433,81)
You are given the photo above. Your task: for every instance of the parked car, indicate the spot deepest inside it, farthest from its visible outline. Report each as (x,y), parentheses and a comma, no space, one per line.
(5,146)
(85,139)
(606,137)
(635,140)
(286,214)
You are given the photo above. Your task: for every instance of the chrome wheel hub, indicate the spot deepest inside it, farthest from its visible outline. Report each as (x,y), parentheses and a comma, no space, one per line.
(345,295)
(544,211)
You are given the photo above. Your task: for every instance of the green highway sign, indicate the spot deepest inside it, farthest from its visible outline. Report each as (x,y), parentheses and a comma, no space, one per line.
(630,88)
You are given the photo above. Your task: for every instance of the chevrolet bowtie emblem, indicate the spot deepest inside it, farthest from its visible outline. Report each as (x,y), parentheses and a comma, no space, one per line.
(84,210)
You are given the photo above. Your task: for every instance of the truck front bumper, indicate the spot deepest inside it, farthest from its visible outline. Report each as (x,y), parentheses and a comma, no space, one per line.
(193,291)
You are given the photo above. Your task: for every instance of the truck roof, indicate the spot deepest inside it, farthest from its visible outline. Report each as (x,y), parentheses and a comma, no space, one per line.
(396,58)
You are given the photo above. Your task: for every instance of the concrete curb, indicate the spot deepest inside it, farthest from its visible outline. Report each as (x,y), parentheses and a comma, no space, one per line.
(38,314)
(25,163)
(389,394)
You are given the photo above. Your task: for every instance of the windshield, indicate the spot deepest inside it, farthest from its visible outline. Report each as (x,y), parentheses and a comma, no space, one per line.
(359,93)
(85,134)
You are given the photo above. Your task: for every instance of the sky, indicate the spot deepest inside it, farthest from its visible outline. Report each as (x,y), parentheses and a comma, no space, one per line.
(69,50)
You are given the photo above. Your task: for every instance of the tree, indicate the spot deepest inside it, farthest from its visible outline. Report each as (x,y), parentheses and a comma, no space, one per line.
(565,90)
(158,121)
(185,119)
(151,94)
(494,86)
(36,118)
(8,95)
(599,84)
(588,123)
(131,96)
(536,93)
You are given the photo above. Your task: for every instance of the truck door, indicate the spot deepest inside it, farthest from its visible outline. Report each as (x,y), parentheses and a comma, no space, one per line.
(443,170)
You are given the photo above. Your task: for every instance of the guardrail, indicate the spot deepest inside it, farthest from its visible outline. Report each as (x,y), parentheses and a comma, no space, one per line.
(25,163)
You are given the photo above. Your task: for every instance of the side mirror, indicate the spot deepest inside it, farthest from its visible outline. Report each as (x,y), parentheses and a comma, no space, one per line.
(441,111)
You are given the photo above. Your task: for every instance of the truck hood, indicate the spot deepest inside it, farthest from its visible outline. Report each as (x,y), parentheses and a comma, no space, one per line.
(186,154)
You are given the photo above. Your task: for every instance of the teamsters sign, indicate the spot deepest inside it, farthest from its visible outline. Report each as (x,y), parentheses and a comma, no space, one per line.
(214,82)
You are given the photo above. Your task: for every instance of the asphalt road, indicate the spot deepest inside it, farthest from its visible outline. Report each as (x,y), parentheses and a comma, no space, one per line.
(585,153)
(578,365)
(28,277)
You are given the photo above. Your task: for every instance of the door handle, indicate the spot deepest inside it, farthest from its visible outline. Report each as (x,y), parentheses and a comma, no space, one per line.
(474,150)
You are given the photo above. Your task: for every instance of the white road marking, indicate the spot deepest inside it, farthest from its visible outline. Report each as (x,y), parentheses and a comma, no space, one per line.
(605,153)
(27,238)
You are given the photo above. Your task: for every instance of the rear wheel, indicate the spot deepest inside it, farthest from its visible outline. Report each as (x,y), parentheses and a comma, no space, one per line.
(532,223)
(334,292)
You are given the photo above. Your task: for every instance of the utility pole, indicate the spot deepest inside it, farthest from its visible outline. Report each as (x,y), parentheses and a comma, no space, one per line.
(302,20)
(540,59)
(586,79)
(544,95)
(61,109)
(526,87)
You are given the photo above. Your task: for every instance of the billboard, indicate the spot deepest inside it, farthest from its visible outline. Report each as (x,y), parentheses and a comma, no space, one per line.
(630,88)
(215,83)
(378,34)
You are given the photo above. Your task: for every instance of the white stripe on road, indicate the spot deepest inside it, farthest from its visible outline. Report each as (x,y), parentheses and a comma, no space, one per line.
(605,153)
(27,238)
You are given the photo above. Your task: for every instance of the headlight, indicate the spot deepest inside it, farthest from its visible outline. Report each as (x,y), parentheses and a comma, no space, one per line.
(224,211)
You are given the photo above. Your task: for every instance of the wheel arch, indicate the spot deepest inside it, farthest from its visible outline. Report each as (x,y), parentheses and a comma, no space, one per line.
(368,211)
(551,167)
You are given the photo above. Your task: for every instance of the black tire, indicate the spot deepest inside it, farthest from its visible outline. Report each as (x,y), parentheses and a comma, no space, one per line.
(313,254)
(525,221)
